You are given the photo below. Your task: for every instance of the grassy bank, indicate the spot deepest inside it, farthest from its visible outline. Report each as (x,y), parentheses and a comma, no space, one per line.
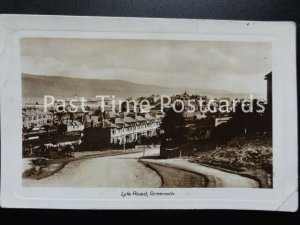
(249,156)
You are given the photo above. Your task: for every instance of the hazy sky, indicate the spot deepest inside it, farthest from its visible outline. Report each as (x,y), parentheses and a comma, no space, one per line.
(233,66)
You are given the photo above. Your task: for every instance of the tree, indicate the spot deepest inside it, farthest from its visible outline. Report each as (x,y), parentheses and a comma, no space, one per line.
(173,125)
(47,127)
(241,123)
(144,140)
(61,128)
(98,112)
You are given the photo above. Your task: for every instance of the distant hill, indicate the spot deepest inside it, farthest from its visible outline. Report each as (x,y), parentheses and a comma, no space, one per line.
(34,87)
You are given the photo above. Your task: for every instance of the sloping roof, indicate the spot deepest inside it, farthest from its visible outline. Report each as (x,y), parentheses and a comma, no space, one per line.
(32,112)
(79,110)
(129,120)
(108,124)
(95,118)
(87,118)
(199,116)
(76,123)
(140,118)
(192,114)
(112,114)
(119,121)
(72,123)
(149,117)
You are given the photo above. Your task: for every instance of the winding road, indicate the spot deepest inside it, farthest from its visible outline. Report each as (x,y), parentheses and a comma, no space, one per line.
(125,171)
(217,178)
(111,171)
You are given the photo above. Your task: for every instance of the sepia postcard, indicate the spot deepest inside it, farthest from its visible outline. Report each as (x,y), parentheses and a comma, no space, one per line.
(136,113)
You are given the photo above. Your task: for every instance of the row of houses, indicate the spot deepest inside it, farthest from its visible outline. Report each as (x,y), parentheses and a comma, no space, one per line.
(33,117)
(104,129)
(121,130)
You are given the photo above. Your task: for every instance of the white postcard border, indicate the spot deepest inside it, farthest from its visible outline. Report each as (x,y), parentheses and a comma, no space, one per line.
(282,36)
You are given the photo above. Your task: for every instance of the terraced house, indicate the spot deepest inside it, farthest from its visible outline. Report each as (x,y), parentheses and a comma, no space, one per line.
(33,117)
(121,130)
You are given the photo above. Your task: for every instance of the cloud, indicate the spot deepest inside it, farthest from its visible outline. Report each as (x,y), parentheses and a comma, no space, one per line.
(234,66)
